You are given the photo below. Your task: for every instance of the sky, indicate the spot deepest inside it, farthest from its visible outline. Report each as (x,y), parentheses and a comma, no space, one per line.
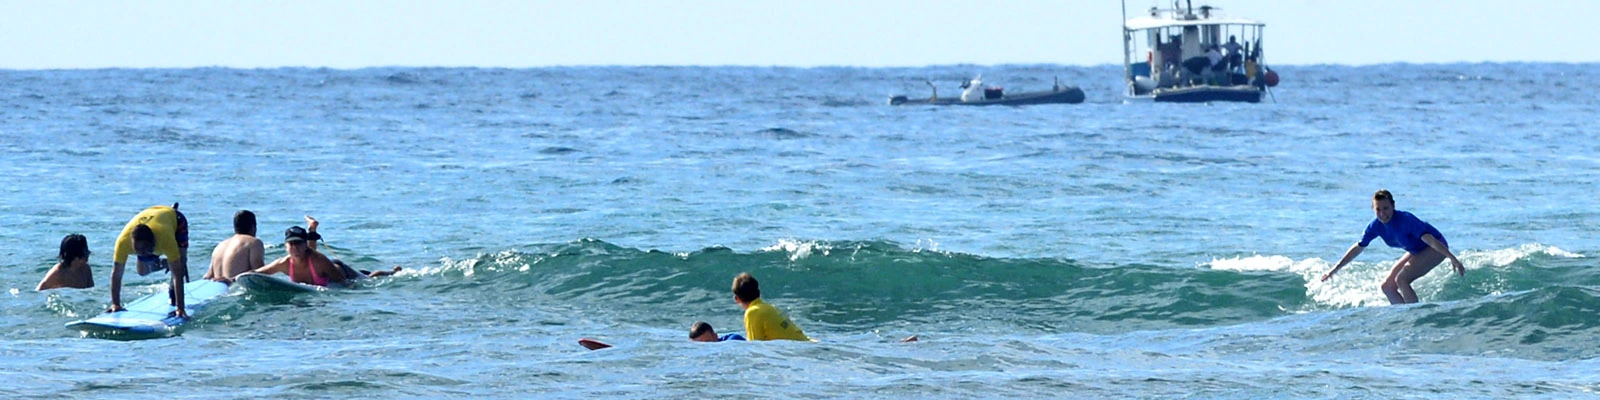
(73,34)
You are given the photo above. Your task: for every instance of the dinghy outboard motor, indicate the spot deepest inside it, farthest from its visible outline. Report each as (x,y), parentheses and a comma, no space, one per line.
(993,93)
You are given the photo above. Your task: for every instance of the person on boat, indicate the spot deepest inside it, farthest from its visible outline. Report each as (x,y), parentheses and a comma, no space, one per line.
(1233,56)
(155,232)
(241,253)
(1196,67)
(311,229)
(1251,70)
(1218,66)
(1171,52)
(73,269)
(762,321)
(1425,248)
(304,264)
(702,332)
(972,90)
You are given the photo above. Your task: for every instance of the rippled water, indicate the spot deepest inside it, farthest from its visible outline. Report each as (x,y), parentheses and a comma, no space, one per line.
(1093,250)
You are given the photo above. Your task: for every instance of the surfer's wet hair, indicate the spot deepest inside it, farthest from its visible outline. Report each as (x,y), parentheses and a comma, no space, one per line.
(745,287)
(1383,194)
(143,234)
(700,328)
(244,222)
(73,247)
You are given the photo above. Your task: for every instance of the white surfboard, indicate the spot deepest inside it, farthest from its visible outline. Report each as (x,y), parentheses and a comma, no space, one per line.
(148,314)
(273,283)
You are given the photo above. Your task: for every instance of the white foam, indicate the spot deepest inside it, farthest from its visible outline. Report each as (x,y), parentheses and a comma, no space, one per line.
(1504,257)
(799,249)
(1355,285)
(1253,263)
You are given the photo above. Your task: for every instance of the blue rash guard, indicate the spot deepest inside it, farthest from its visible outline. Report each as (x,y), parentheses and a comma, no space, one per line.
(1403,231)
(730,336)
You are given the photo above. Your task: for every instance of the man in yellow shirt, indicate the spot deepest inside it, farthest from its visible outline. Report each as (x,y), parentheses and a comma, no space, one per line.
(155,232)
(762,321)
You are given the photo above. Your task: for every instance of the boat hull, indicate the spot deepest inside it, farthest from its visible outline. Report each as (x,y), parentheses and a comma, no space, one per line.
(1207,94)
(1067,95)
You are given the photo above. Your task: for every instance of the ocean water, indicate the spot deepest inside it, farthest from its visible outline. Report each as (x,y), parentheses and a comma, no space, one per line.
(1098,250)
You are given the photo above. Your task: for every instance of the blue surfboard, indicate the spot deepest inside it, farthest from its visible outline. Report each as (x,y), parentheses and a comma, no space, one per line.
(148,314)
(255,282)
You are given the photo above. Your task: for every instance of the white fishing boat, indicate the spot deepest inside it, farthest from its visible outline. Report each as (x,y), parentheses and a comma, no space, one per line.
(1193,55)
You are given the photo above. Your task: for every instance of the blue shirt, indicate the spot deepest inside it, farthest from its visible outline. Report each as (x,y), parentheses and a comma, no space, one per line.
(1403,231)
(730,336)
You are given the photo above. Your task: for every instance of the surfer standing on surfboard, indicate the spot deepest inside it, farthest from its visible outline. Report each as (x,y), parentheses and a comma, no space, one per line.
(1425,248)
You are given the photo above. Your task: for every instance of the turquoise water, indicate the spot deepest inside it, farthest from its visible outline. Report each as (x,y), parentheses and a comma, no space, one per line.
(1093,250)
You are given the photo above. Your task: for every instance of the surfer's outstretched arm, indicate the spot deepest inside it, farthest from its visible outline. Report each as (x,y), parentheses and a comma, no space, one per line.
(1355,250)
(275,267)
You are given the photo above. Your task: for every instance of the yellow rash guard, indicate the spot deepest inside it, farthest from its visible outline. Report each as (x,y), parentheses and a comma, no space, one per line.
(163,221)
(762,321)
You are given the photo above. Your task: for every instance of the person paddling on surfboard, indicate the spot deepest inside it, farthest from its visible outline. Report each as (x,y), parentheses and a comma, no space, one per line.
(352,273)
(304,264)
(73,270)
(1425,248)
(762,321)
(699,332)
(703,332)
(157,231)
(238,254)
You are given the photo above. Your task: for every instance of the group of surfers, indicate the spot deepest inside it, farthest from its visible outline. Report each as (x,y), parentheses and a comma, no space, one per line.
(762,321)
(1425,249)
(164,231)
(158,238)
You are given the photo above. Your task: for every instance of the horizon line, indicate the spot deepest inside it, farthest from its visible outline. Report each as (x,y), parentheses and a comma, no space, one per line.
(768,66)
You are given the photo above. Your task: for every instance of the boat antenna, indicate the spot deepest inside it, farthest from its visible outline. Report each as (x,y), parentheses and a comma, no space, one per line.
(1127,53)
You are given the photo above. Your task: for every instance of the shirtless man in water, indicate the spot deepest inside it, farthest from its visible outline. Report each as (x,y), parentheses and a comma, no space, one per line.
(73,270)
(238,254)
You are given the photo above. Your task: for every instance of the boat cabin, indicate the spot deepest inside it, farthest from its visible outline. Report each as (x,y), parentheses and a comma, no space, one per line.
(1187,54)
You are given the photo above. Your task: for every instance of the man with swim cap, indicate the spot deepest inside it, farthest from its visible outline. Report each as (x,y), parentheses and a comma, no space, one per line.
(157,231)
(238,254)
(762,321)
(1425,248)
